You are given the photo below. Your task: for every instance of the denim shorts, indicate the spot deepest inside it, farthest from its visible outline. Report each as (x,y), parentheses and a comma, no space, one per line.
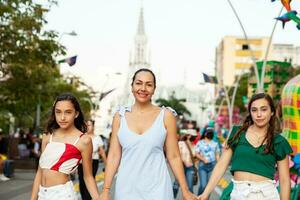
(56,192)
(249,190)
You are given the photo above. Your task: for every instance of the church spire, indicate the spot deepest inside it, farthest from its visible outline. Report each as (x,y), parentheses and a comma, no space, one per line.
(141,26)
(138,58)
(140,52)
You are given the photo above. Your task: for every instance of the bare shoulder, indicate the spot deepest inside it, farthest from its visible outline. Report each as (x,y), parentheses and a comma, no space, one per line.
(116,117)
(45,138)
(85,139)
(116,121)
(169,115)
(169,119)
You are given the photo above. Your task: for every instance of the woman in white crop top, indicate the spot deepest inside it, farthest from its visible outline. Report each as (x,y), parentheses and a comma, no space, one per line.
(64,145)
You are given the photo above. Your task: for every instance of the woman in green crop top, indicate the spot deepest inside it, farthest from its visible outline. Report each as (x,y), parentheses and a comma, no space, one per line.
(254,151)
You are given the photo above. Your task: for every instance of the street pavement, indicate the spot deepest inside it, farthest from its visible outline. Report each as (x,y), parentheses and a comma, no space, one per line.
(19,187)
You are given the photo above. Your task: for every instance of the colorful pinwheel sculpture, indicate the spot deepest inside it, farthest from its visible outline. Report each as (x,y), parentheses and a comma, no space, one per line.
(291,15)
(291,113)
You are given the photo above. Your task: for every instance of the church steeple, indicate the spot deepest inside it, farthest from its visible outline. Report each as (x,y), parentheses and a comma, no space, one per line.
(140,55)
(141,26)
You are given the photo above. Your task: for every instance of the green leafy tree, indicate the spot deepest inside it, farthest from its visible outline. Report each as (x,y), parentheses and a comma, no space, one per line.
(176,104)
(29,74)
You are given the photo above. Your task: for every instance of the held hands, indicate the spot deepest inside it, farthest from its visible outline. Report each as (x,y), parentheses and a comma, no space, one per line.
(187,195)
(105,195)
(203,197)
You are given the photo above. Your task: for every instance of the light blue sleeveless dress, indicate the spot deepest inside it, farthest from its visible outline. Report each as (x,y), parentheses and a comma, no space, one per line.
(143,172)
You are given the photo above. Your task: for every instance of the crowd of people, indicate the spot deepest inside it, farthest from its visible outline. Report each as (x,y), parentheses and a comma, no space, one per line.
(145,139)
(20,145)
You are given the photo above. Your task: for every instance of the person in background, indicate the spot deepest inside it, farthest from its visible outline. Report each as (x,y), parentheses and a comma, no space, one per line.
(24,142)
(207,152)
(3,157)
(186,149)
(198,136)
(98,151)
(105,142)
(36,150)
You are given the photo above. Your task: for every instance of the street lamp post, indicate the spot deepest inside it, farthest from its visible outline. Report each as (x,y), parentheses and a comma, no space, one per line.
(267,53)
(72,33)
(246,38)
(107,78)
(259,81)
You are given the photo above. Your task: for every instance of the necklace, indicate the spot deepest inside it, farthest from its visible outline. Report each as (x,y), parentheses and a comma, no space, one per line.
(254,139)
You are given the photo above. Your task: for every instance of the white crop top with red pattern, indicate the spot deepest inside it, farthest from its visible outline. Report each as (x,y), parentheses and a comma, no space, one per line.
(61,157)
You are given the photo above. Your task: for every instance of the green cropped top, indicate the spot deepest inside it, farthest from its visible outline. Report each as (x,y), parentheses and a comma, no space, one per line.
(250,159)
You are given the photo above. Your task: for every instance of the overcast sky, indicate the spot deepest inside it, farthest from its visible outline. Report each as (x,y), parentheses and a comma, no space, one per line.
(182,34)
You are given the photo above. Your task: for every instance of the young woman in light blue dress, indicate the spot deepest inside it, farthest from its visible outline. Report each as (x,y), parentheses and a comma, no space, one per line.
(140,135)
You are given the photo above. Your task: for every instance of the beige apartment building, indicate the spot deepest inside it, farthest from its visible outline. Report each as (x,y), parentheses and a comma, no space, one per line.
(233,56)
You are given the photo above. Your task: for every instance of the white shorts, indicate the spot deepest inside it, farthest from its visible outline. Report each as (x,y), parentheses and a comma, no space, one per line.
(249,190)
(57,192)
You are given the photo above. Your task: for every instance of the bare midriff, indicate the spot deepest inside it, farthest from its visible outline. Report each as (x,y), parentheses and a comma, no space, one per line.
(247,176)
(51,178)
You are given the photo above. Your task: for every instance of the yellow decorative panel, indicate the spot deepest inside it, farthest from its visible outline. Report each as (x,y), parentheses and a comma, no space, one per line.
(244,53)
(242,65)
(250,41)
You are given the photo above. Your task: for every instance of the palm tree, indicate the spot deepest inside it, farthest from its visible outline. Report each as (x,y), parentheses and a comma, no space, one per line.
(176,104)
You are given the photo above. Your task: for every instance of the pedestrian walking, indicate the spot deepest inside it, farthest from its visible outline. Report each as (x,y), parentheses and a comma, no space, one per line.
(36,150)
(254,151)
(2,166)
(98,151)
(139,134)
(64,145)
(187,153)
(4,162)
(208,153)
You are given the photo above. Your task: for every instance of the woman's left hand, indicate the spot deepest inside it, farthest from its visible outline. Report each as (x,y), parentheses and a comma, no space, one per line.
(187,195)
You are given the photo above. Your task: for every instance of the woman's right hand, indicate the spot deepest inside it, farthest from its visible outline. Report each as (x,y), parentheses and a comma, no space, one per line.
(105,195)
(187,195)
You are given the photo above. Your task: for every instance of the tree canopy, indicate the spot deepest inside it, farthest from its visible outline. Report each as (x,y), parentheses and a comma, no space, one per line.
(176,104)
(29,74)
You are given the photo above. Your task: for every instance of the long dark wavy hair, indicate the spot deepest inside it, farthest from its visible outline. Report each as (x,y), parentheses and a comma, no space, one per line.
(79,120)
(248,122)
(144,70)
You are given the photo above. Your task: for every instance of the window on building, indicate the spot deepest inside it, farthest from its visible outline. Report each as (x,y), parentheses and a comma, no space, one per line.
(245,47)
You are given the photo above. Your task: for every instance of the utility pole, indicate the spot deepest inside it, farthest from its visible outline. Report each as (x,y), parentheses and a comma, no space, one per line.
(38,108)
